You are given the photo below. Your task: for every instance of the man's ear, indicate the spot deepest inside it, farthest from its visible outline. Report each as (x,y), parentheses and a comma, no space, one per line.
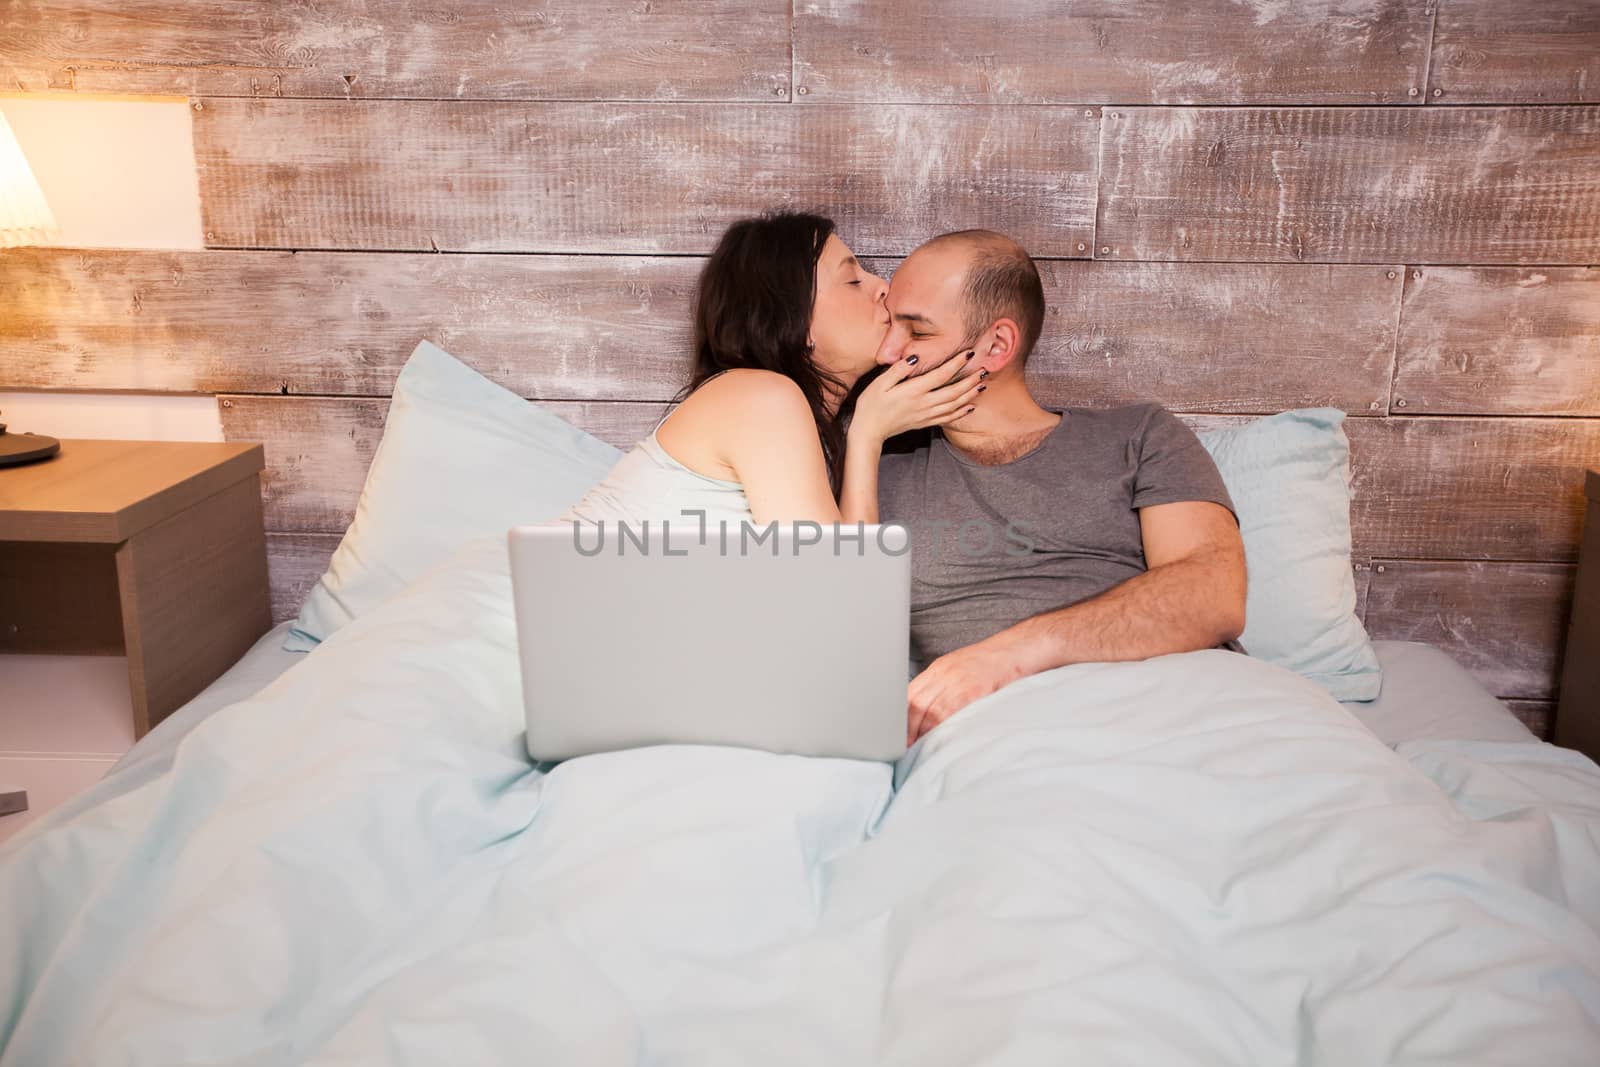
(1002,346)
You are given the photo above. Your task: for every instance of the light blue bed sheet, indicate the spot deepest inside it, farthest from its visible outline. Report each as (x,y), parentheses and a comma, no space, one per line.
(1196,859)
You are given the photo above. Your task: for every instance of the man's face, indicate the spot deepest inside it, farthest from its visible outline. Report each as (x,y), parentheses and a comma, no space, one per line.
(925,308)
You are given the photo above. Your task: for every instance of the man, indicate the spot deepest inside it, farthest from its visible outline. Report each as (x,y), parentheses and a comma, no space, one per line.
(1042,536)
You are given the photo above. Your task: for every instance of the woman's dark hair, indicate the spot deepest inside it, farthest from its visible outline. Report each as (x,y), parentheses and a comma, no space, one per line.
(753,309)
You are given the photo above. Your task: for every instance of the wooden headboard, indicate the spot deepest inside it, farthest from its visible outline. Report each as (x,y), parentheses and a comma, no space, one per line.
(1238,208)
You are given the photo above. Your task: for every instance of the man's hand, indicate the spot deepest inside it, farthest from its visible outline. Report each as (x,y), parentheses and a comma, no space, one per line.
(955,680)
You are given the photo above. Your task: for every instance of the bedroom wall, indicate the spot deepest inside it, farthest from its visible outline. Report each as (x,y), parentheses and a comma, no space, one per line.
(1239,207)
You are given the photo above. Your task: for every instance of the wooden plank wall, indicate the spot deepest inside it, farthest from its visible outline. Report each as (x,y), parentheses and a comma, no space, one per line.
(1239,206)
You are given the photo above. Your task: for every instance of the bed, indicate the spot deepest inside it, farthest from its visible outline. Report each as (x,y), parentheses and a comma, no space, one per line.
(341,853)
(345,856)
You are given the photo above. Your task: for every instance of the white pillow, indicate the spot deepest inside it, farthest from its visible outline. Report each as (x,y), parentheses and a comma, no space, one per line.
(1289,476)
(460,458)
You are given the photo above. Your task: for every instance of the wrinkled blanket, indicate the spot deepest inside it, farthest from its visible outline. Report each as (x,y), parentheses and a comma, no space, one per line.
(1197,859)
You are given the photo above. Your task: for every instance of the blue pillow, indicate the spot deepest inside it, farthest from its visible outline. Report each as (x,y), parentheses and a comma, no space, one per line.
(460,458)
(1289,476)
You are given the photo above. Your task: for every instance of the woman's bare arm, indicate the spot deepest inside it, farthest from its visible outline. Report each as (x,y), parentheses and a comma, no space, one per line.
(858,497)
(771,442)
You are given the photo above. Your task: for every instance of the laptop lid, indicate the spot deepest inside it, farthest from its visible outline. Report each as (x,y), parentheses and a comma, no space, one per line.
(791,637)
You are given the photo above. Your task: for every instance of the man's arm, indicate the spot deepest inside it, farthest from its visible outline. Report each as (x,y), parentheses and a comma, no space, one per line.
(1191,596)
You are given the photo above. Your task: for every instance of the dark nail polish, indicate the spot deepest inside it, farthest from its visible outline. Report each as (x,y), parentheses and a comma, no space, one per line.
(910,360)
(983,374)
(981,388)
(971,354)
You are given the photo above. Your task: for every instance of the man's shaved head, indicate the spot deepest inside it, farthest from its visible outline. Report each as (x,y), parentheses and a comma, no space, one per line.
(1001,283)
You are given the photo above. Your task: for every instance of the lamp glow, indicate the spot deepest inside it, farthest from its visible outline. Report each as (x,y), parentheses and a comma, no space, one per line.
(25,216)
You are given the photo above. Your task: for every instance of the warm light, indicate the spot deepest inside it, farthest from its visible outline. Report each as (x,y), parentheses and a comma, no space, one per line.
(25,217)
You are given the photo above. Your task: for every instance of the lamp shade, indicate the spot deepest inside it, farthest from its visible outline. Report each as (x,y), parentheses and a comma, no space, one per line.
(25,217)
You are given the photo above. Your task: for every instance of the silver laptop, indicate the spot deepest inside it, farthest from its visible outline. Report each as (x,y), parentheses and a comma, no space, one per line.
(792,638)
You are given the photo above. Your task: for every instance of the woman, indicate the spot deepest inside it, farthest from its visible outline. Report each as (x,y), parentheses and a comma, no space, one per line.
(786,322)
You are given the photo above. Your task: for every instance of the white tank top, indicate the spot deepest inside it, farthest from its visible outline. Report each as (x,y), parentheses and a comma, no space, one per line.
(647,483)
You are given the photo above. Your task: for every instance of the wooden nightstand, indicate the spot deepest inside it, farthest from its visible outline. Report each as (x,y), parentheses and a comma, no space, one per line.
(150,549)
(1578,715)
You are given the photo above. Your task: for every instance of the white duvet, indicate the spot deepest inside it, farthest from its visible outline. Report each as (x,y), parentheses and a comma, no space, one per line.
(1198,859)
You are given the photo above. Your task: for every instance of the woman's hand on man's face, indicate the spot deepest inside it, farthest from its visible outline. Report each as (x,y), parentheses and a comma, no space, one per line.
(907,396)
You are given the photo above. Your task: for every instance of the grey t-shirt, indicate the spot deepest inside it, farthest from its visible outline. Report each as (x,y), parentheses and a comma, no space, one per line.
(993,545)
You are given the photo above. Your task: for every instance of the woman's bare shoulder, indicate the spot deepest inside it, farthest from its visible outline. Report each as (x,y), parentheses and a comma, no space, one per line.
(717,422)
(752,381)
(746,394)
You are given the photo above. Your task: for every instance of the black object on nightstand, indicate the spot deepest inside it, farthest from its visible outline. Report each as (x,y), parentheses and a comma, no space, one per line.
(1578,715)
(17,448)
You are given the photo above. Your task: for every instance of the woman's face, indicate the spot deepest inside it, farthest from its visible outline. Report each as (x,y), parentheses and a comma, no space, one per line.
(850,315)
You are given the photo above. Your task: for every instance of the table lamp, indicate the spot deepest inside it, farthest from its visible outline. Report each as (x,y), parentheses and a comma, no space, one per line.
(25,219)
